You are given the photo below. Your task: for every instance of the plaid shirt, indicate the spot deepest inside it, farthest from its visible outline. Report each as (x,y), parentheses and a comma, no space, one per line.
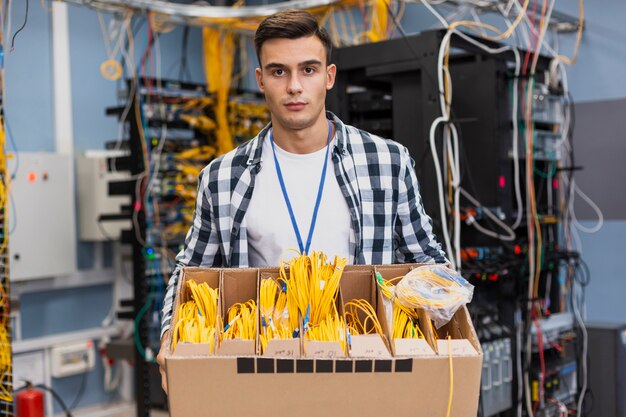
(376,177)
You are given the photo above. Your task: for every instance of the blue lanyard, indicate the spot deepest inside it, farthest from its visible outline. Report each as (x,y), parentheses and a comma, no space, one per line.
(303,249)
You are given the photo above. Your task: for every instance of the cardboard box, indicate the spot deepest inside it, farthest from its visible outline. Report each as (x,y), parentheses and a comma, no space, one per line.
(201,385)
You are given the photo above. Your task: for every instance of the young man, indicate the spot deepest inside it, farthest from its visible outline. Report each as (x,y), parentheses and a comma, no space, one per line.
(307,181)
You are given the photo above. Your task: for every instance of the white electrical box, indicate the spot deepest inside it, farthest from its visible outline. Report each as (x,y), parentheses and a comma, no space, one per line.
(28,367)
(42,223)
(93,177)
(72,359)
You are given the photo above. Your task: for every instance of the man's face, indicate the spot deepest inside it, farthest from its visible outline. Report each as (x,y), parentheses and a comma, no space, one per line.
(294,78)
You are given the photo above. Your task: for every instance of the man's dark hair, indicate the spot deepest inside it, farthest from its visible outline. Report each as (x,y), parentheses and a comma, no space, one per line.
(291,24)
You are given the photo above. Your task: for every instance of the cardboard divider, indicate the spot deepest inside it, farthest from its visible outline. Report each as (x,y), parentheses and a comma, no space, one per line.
(237,286)
(212,277)
(361,284)
(278,348)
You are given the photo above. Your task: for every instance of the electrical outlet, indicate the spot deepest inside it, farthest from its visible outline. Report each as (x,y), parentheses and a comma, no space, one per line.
(72,359)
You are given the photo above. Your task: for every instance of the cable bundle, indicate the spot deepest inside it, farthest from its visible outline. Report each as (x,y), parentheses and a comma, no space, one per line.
(241,322)
(405,322)
(331,329)
(370,323)
(197,318)
(438,290)
(312,289)
(275,323)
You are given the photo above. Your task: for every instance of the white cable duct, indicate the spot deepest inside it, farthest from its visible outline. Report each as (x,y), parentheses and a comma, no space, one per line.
(199,14)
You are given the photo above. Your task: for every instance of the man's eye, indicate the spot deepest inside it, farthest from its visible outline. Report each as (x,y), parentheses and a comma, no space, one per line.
(279,72)
(309,70)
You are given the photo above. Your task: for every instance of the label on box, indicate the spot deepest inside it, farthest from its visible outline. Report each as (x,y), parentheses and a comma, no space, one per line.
(368,346)
(412,347)
(323,350)
(459,347)
(283,348)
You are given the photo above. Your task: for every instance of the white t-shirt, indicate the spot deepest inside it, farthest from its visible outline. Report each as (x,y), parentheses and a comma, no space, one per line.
(268,224)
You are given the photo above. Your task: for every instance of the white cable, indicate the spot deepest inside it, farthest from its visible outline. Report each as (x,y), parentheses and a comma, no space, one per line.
(472,221)
(444,222)
(439,17)
(595,208)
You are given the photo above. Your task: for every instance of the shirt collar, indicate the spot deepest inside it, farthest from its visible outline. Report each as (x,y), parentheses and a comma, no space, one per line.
(256,145)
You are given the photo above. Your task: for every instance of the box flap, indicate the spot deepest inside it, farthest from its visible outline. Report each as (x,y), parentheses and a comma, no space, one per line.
(368,346)
(412,347)
(283,348)
(184,349)
(236,347)
(323,350)
(459,347)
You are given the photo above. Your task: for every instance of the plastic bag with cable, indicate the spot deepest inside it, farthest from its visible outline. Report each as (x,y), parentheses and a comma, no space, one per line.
(437,289)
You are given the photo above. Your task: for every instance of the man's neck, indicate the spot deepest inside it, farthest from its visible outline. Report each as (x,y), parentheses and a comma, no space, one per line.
(302,141)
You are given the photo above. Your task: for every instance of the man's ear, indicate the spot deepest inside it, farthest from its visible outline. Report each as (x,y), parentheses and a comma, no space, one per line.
(259,79)
(331,73)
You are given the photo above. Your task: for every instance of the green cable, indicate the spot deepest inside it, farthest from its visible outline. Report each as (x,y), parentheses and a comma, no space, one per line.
(140,314)
(547,175)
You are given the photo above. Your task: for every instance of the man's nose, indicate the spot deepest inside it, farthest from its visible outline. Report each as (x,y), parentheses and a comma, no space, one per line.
(294,86)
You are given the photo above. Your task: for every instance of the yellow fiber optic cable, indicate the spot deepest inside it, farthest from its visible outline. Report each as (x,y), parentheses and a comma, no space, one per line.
(369,325)
(241,322)
(274,313)
(198,317)
(312,288)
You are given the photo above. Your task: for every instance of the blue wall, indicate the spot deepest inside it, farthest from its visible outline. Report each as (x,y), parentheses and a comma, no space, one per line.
(29,113)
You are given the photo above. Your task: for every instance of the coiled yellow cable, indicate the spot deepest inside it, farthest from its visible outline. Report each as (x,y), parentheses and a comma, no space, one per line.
(312,288)
(405,321)
(197,318)
(241,322)
(275,323)
(410,296)
(369,325)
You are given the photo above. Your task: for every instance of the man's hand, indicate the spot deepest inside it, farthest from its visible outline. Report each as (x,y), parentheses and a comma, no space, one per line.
(161,359)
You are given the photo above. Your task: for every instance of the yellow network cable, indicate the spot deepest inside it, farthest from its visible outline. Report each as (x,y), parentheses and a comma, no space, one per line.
(198,317)
(312,289)
(412,297)
(353,311)
(331,329)
(241,322)
(275,322)
(406,322)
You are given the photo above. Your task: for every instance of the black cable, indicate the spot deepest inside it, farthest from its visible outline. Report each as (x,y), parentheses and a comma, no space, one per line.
(21,27)
(184,70)
(57,397)
(83,384)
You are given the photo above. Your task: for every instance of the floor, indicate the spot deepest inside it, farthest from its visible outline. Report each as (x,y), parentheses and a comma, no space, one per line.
(115,410)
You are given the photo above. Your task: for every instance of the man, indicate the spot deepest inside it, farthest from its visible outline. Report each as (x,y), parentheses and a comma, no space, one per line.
(307,181)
